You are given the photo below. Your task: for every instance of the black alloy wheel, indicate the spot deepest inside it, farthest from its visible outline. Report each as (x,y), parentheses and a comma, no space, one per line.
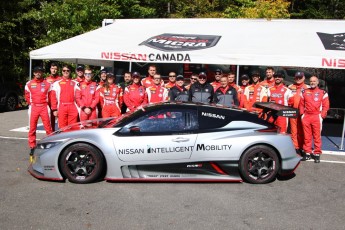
(11,103)
(82,163)
(259,164)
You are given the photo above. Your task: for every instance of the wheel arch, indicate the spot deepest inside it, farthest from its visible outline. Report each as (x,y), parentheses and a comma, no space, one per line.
(83,142)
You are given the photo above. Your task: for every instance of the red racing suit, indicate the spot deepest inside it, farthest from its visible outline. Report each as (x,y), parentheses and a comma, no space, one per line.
(296,126)
(281,95)
(268,83)
(215,85)
(148,81)
(156,93)
(111,101)
(134,96)
(313,107)
(87,97)
(51,79)
(64,100)
(38,96)
(253,93)
(169,85)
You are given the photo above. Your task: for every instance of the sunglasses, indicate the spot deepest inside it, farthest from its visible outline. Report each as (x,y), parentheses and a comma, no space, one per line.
(66,70)
(88,74)
(155,78)
(172,75)
(202,78)
(193,78)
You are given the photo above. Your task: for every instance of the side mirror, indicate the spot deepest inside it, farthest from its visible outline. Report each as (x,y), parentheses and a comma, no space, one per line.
(134,129)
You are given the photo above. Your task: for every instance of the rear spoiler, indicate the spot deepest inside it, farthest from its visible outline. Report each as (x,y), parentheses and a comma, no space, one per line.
(276,109)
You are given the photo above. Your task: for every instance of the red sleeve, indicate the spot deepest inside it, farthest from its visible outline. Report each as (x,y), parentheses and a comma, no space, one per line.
(325,105)
(96,100)
(78,98)
(127,100)
(120,98)
(301,105)
(27,93)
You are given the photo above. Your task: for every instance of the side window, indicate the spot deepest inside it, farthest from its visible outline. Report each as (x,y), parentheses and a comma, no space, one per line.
(164,121)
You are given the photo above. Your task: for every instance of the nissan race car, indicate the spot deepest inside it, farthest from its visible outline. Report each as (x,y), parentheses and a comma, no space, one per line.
(167,142)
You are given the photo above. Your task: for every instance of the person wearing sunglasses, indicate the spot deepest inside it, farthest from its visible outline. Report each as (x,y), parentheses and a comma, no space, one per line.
(157,92)
(80,73)
(172,81)
(201,91)
(64,98)
(217,75)
(193,78)
(179,92)
(225,94)
(37,95)
(87,97)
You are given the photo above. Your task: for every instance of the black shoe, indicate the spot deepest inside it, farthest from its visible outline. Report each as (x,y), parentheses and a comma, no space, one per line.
(317,158)
(299,152)
(305,156)
(32,152)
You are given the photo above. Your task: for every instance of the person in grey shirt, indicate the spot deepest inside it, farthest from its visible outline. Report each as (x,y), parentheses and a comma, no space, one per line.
(201,91)
(226,95)
(179,92)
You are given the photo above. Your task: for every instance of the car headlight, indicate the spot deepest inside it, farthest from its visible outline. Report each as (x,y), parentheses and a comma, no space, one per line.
(47,145)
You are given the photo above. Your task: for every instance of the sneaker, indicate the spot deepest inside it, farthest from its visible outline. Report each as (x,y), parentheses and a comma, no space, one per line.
(305,156)
(32,152)
(317,158)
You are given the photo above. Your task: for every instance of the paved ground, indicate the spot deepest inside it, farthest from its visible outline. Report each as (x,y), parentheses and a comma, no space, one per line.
(313,198)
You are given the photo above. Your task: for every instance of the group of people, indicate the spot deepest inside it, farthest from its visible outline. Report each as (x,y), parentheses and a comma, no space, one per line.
(80,99)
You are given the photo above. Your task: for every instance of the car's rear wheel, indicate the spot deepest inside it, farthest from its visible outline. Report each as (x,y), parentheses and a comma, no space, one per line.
(11,103)
(259,164)
(82,163)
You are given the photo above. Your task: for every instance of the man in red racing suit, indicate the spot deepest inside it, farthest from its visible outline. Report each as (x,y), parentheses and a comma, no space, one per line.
(313,108)
(135,94)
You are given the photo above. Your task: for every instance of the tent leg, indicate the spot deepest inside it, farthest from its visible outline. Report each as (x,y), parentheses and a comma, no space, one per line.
(238,75)
(30,69)
(342,136)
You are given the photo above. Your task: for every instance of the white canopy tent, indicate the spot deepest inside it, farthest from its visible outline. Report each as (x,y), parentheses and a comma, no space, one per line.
(207,41)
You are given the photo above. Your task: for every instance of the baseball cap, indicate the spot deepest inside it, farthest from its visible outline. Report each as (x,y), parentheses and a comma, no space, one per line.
(80,67)
(299,74)
(218,70)
(244,77)
(110,75)
(202,74)
(179,78)
(38,68)
(255,73)
(136,74)
(279,74)
(103,70)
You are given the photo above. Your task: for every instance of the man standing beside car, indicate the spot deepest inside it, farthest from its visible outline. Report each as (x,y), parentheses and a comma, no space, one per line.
(269,80)
(127,80)
(53,77)
(135,94)
(179,92)
(313,108)
(157,92)
(226,95)
(296,126)
(64,98)
(254,93)
(38,96)
(201,91)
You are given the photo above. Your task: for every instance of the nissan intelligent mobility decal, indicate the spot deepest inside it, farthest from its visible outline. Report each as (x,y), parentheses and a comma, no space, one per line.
(181,42)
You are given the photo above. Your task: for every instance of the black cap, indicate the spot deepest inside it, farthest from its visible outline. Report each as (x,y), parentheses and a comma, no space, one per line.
(202,74)
(279,74)
(244,77)
(103,71)
(299,74)
(218,70)
(255,73)
(38,68)
(110,75)
(80,67)
(136,74)
(179,78)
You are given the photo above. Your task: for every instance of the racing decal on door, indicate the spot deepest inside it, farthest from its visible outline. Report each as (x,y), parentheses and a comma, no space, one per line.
(333,41)
(181,42)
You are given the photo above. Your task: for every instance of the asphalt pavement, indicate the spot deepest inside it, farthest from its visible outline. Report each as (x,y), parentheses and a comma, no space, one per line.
(312,198)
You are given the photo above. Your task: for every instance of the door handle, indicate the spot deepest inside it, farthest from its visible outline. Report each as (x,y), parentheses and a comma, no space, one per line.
(180,139)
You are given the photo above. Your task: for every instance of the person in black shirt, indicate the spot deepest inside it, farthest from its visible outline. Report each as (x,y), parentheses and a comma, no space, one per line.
(179,91)
(201,91)
(226,95)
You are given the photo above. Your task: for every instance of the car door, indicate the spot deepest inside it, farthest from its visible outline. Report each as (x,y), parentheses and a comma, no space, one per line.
(158,135)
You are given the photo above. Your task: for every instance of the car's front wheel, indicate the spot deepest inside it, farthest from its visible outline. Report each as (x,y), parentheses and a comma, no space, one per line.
(82,163)
(259,164)
(11,103)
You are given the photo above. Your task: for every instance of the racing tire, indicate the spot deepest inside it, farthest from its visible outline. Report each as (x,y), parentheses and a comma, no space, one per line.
(259,165)
(82,163)
(11,103)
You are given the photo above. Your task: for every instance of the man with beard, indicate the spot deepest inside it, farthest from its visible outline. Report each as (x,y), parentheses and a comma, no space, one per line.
(269,80)
(127,80)
(254,93)
(313,108)
(244,83)
(217,75)
(281,95)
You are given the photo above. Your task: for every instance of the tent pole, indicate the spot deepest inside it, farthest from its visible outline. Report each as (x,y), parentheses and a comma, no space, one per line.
(237,74)
(342,136)
(130,66)
(30,69)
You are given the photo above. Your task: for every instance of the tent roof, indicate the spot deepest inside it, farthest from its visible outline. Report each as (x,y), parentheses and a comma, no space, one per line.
(207,41)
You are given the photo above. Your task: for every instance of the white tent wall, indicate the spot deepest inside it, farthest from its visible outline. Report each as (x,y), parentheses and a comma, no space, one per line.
(241,42)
